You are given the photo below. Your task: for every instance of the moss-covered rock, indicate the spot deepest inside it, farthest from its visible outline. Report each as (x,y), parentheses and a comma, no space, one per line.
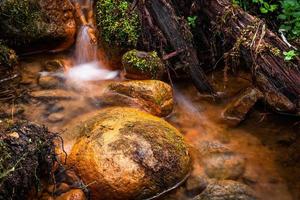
(142,65)
(118,25)
(34,21)
(123,153)
(155,97)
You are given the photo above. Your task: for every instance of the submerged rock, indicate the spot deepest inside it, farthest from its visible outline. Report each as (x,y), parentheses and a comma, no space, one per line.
(236,111)
(195,185)
(226,190)
(123,153)
(153,96)
(53,65)
(142,65)
(224,165)
(49,81)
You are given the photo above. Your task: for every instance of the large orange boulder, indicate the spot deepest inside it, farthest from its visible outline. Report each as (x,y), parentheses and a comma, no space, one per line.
(123,153)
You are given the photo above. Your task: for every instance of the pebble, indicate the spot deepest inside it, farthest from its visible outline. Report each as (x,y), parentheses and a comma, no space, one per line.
(55,117)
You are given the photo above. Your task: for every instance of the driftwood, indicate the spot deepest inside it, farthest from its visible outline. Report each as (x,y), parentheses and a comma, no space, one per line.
(160,16)
(279,80)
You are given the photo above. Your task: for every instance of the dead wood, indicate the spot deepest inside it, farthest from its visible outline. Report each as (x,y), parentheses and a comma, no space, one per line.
(250,37)
(160,18)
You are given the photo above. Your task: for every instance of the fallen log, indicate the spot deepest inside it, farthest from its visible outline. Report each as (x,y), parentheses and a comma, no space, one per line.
(257,44)
(161,17)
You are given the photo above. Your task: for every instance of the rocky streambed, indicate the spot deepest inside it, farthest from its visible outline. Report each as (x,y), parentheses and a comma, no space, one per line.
(146,139)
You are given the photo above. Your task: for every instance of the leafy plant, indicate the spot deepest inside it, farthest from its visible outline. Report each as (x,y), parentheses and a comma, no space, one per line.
(266,6)
(117,23)
(192,21)
(290,17)
(289,55)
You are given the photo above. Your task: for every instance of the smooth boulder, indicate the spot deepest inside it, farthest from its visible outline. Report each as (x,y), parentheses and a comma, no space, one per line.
(123,153)
(153,96)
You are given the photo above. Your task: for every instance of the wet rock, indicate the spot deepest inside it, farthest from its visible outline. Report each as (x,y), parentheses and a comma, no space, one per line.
(226,190)
(142,65)
(224,165)
(237,110)
(209,147)
(153,96)
(49,81)
(55,117)
(279,102)
(53,65)
(74,194)
(129,154)
(195,185)
(55,94)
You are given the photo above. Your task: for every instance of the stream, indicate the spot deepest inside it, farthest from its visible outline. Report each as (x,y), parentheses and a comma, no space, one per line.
(67,86)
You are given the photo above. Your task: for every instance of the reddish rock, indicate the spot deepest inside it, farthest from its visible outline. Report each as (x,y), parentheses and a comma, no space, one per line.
(74,194)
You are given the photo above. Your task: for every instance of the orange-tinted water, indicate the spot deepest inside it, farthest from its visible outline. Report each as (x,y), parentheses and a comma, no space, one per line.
(269,142)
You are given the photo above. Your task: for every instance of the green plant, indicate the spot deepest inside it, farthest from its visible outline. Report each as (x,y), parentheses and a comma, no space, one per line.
(289,55)
(290,18)
(118,24)
(22,19)
(266,6)
(192,21)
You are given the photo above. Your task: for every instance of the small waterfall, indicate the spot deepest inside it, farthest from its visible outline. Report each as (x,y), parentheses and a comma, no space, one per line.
(88,67)
(86,49)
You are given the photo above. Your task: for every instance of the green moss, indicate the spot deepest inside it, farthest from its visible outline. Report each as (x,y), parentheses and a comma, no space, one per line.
(8,57)
(117,23)
(22,21)
(143,62)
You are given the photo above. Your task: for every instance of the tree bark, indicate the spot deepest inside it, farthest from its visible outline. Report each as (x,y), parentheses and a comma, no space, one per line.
(274,76)
(160,15)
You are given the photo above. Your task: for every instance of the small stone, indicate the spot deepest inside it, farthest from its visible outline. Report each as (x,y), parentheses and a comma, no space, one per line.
(55,94)
(48,81)
(53,65)
(224,165)
(55,117)
(207,147)
(14,135)
(195,185)
(226,190)
(74,194)
(236,111)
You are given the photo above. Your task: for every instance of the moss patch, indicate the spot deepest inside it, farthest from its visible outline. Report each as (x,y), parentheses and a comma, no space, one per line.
(22,22)
(143,63)
(117,23)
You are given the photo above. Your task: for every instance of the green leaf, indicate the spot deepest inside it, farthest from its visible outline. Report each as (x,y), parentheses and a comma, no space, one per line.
(263,10)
